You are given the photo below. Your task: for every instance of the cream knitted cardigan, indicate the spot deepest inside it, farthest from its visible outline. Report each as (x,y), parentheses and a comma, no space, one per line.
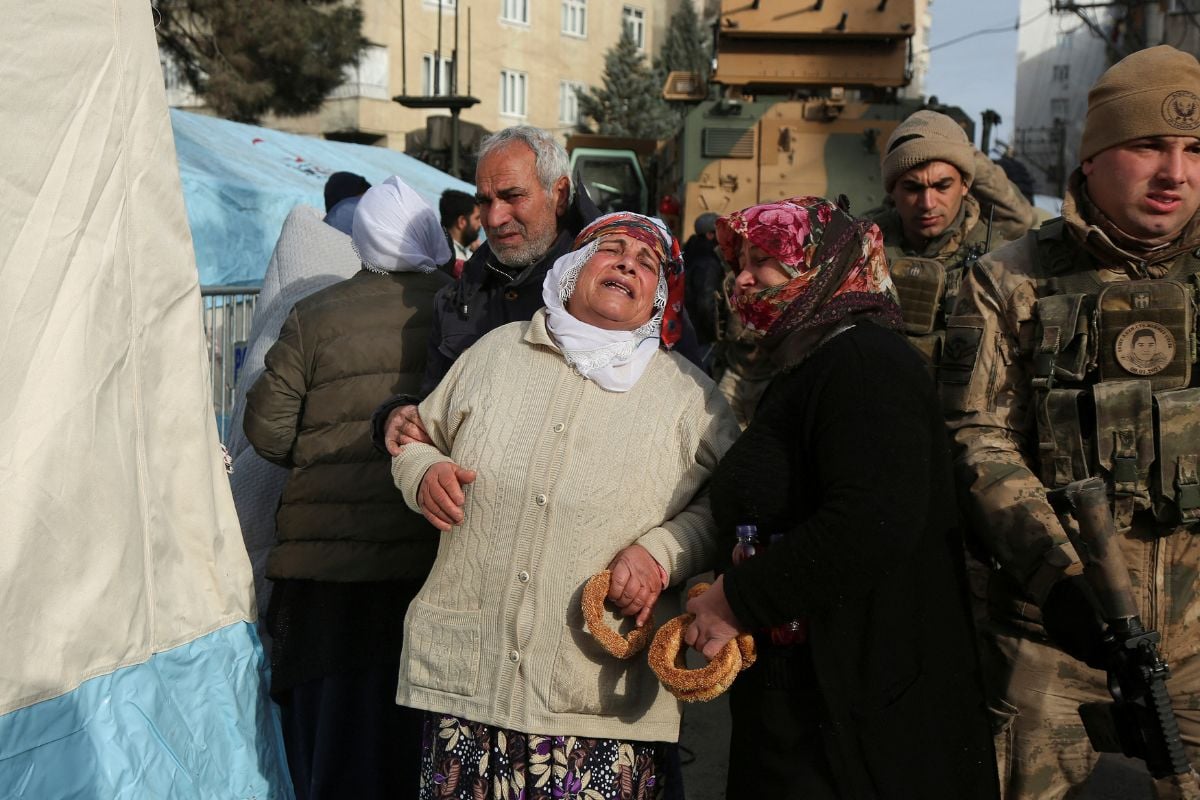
(568,475)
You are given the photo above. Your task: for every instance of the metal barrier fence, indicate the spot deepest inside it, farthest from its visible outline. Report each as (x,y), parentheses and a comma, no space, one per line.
(228,313)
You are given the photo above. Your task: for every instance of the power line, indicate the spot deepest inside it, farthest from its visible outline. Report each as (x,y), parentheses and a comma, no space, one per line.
(1020,23)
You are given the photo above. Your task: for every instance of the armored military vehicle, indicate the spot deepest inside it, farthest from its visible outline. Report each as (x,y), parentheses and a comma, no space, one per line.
(803,96)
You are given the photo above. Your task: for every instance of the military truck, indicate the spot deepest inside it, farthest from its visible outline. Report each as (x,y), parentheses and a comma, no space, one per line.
(803,97)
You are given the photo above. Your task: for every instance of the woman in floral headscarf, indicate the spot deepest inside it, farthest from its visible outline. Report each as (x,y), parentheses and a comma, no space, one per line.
(562,446)
(867,682)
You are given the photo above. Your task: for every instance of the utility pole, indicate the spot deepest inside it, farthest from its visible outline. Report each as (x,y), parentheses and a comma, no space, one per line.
(1114,51)
(453,101)
(1060,136)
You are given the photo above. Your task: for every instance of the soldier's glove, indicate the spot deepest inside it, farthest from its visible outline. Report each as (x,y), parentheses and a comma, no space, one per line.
(1070,618)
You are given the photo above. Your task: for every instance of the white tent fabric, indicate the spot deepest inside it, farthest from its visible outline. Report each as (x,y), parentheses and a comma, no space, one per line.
(129,665)
(309,256)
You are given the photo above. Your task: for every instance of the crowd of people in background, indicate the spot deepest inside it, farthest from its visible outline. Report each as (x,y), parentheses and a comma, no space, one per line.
(875,408)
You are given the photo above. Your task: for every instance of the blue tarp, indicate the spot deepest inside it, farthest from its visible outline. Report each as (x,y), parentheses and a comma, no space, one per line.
(240,181)
(176,727)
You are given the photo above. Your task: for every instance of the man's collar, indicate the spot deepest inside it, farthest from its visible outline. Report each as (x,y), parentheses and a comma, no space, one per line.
(1110,246)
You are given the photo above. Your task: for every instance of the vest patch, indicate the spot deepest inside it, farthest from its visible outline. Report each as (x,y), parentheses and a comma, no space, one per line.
(1145,348)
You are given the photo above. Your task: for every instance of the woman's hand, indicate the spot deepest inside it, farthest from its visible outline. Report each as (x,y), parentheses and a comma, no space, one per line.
(440,495)
(715,623)
(637,581)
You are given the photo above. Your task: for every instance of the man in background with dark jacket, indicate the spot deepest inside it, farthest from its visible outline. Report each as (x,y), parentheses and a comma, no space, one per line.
(703,295)
(342,193)
(531,216)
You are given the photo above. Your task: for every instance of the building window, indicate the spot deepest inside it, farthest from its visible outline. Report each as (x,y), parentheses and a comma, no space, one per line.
(1064,40)
(1062,72)
(427,75)
(574,17)
(512,93)
(634,20)
(568,102)
(515,11)
(1058,107)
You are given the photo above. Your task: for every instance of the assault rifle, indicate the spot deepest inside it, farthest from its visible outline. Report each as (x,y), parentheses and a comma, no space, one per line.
(1140,721)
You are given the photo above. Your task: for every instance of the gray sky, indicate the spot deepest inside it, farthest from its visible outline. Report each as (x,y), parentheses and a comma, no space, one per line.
(980,72)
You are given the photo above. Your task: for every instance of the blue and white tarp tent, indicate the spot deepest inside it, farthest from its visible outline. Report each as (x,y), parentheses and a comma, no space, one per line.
(129,663)
(241,181)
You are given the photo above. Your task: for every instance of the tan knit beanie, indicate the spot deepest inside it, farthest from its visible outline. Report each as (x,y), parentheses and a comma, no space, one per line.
(1154,92)
(927,136)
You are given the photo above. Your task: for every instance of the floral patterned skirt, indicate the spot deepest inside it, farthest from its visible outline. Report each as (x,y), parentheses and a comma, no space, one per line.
(465,760)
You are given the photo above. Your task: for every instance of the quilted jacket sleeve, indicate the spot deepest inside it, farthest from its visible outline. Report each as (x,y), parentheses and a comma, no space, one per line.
(276,401)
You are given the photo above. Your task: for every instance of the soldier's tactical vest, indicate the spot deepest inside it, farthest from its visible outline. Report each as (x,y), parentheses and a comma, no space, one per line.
(928,289)
(1115,380)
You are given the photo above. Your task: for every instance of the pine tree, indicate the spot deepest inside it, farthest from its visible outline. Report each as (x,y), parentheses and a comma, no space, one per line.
(246,59)
(630,101)
(687,46)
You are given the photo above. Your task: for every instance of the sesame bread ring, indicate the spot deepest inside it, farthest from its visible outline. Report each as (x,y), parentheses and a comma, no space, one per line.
(666,658)
(595,591)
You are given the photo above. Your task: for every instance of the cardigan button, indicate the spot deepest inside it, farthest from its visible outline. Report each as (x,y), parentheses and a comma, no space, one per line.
(559,427)
(540,499)
(523,576)
(514,656)
(511,294)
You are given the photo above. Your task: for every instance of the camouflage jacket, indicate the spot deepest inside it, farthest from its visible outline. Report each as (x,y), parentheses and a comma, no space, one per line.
(986,385)
(927,291)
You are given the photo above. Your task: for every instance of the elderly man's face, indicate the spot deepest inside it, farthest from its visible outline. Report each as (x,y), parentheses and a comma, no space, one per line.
(1149,188)
(519,216)
(616,286)
(928,198)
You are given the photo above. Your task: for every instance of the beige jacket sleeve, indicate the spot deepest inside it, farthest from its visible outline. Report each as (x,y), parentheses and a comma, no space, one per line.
(686,544)
(276,400)
(988,398)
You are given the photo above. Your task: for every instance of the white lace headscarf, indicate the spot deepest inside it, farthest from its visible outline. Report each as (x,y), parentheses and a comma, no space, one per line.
(613,359)
(395,230)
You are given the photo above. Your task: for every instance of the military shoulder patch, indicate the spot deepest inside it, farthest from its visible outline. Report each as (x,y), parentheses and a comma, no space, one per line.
(959,353)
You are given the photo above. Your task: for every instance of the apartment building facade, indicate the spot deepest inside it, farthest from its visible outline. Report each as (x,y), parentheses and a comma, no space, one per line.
(522,59)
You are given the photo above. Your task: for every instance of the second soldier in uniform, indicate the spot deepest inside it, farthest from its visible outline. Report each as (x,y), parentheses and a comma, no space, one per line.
(1043,385)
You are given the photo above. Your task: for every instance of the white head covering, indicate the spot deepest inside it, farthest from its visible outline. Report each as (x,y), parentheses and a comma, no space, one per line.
(613,359)
(396,231)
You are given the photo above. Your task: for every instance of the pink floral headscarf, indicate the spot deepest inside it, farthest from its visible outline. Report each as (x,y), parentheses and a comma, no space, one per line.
(836,264)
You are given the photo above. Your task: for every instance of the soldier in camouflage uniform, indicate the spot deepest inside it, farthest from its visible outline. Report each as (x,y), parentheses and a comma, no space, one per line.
(949,203)
(1048,376)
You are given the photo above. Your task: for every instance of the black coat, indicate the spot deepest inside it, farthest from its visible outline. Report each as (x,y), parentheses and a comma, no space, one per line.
(848,459)
(703,295)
